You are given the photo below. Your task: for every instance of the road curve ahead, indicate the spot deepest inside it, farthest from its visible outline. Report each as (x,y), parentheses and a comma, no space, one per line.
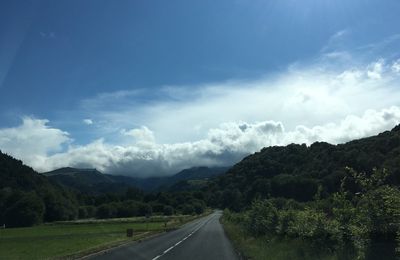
(201,239)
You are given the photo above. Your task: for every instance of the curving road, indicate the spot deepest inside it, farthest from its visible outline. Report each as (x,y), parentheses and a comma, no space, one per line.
(201,239)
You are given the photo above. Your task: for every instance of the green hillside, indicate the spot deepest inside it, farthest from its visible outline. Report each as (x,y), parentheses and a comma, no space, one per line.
(27,197)
(326,201)
(296,171)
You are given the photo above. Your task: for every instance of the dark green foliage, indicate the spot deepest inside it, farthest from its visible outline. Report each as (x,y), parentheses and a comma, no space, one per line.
(107,211)
(82,213)
(20,185)
(338,198)
(188,209)
(58,207)
(263,218)
(289,186)
(349,224)
(145,210)
(296,171)
(198,207)
(26,211)
(168,211)
(87,194)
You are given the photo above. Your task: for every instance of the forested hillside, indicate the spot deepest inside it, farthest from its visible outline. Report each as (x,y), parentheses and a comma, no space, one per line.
(297,171)
(335,201)
(27,197)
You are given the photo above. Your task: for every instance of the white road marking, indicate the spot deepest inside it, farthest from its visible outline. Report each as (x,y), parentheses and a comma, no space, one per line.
(168,249)
(186,237)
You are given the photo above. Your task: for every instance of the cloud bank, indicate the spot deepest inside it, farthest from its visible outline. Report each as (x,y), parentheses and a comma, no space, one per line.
(308,95)
(218,124)
(222,146)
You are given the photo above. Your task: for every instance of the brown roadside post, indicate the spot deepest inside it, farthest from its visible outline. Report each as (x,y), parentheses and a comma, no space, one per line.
(129,232)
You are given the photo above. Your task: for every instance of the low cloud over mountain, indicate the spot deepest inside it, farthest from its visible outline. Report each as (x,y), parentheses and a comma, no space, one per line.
(218,124)
(39,145)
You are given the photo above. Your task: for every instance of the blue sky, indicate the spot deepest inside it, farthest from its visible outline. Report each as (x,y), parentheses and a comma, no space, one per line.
(139,79)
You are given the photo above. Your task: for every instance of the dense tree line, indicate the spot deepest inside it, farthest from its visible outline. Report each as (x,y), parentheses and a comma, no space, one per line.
(299,171)
(344,199)
(28,198)
(136,203)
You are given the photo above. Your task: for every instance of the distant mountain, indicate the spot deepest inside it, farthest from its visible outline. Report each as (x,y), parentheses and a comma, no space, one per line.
(197,173)
(192,179)
(88,176)
(93,181)
(297,171)
(89,180)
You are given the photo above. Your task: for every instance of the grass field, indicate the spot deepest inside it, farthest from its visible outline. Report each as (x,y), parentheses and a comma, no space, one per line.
(263,248)
(71,239)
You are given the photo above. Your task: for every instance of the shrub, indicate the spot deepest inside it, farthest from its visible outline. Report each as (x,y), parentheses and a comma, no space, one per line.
(263,218)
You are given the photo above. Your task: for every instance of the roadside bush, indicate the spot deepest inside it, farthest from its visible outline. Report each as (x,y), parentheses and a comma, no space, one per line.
(285,220)
(314,226)
(262,218)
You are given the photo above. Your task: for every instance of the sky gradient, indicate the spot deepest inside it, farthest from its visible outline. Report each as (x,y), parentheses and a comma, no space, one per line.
(151,87)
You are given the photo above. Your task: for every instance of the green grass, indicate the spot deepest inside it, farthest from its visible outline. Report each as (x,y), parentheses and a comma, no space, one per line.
(274,249)
(77,237)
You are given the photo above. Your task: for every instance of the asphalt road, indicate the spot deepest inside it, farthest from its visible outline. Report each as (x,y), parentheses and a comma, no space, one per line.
(201,239)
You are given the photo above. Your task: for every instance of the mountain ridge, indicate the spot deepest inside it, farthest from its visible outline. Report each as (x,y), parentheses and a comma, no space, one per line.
(86,179)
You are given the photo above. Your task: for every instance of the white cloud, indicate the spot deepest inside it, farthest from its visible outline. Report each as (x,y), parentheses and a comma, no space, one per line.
(335,99)
(334,45)
(32,141)
(142,136)
(396,66)
(304,95)
(88,121)
(223,145)
(375,70)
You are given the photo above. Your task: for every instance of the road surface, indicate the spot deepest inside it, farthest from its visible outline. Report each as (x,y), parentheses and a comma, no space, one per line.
(201,239)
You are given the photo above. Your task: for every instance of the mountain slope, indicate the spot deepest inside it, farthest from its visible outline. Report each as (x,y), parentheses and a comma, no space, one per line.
(27,197)
(296,171)
(89,181)
(93,181)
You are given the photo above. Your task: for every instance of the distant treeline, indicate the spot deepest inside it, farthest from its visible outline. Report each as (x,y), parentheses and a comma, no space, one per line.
(28,198)
(299,172)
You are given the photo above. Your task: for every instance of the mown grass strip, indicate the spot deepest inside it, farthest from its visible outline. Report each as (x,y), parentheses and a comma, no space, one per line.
(75,239)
